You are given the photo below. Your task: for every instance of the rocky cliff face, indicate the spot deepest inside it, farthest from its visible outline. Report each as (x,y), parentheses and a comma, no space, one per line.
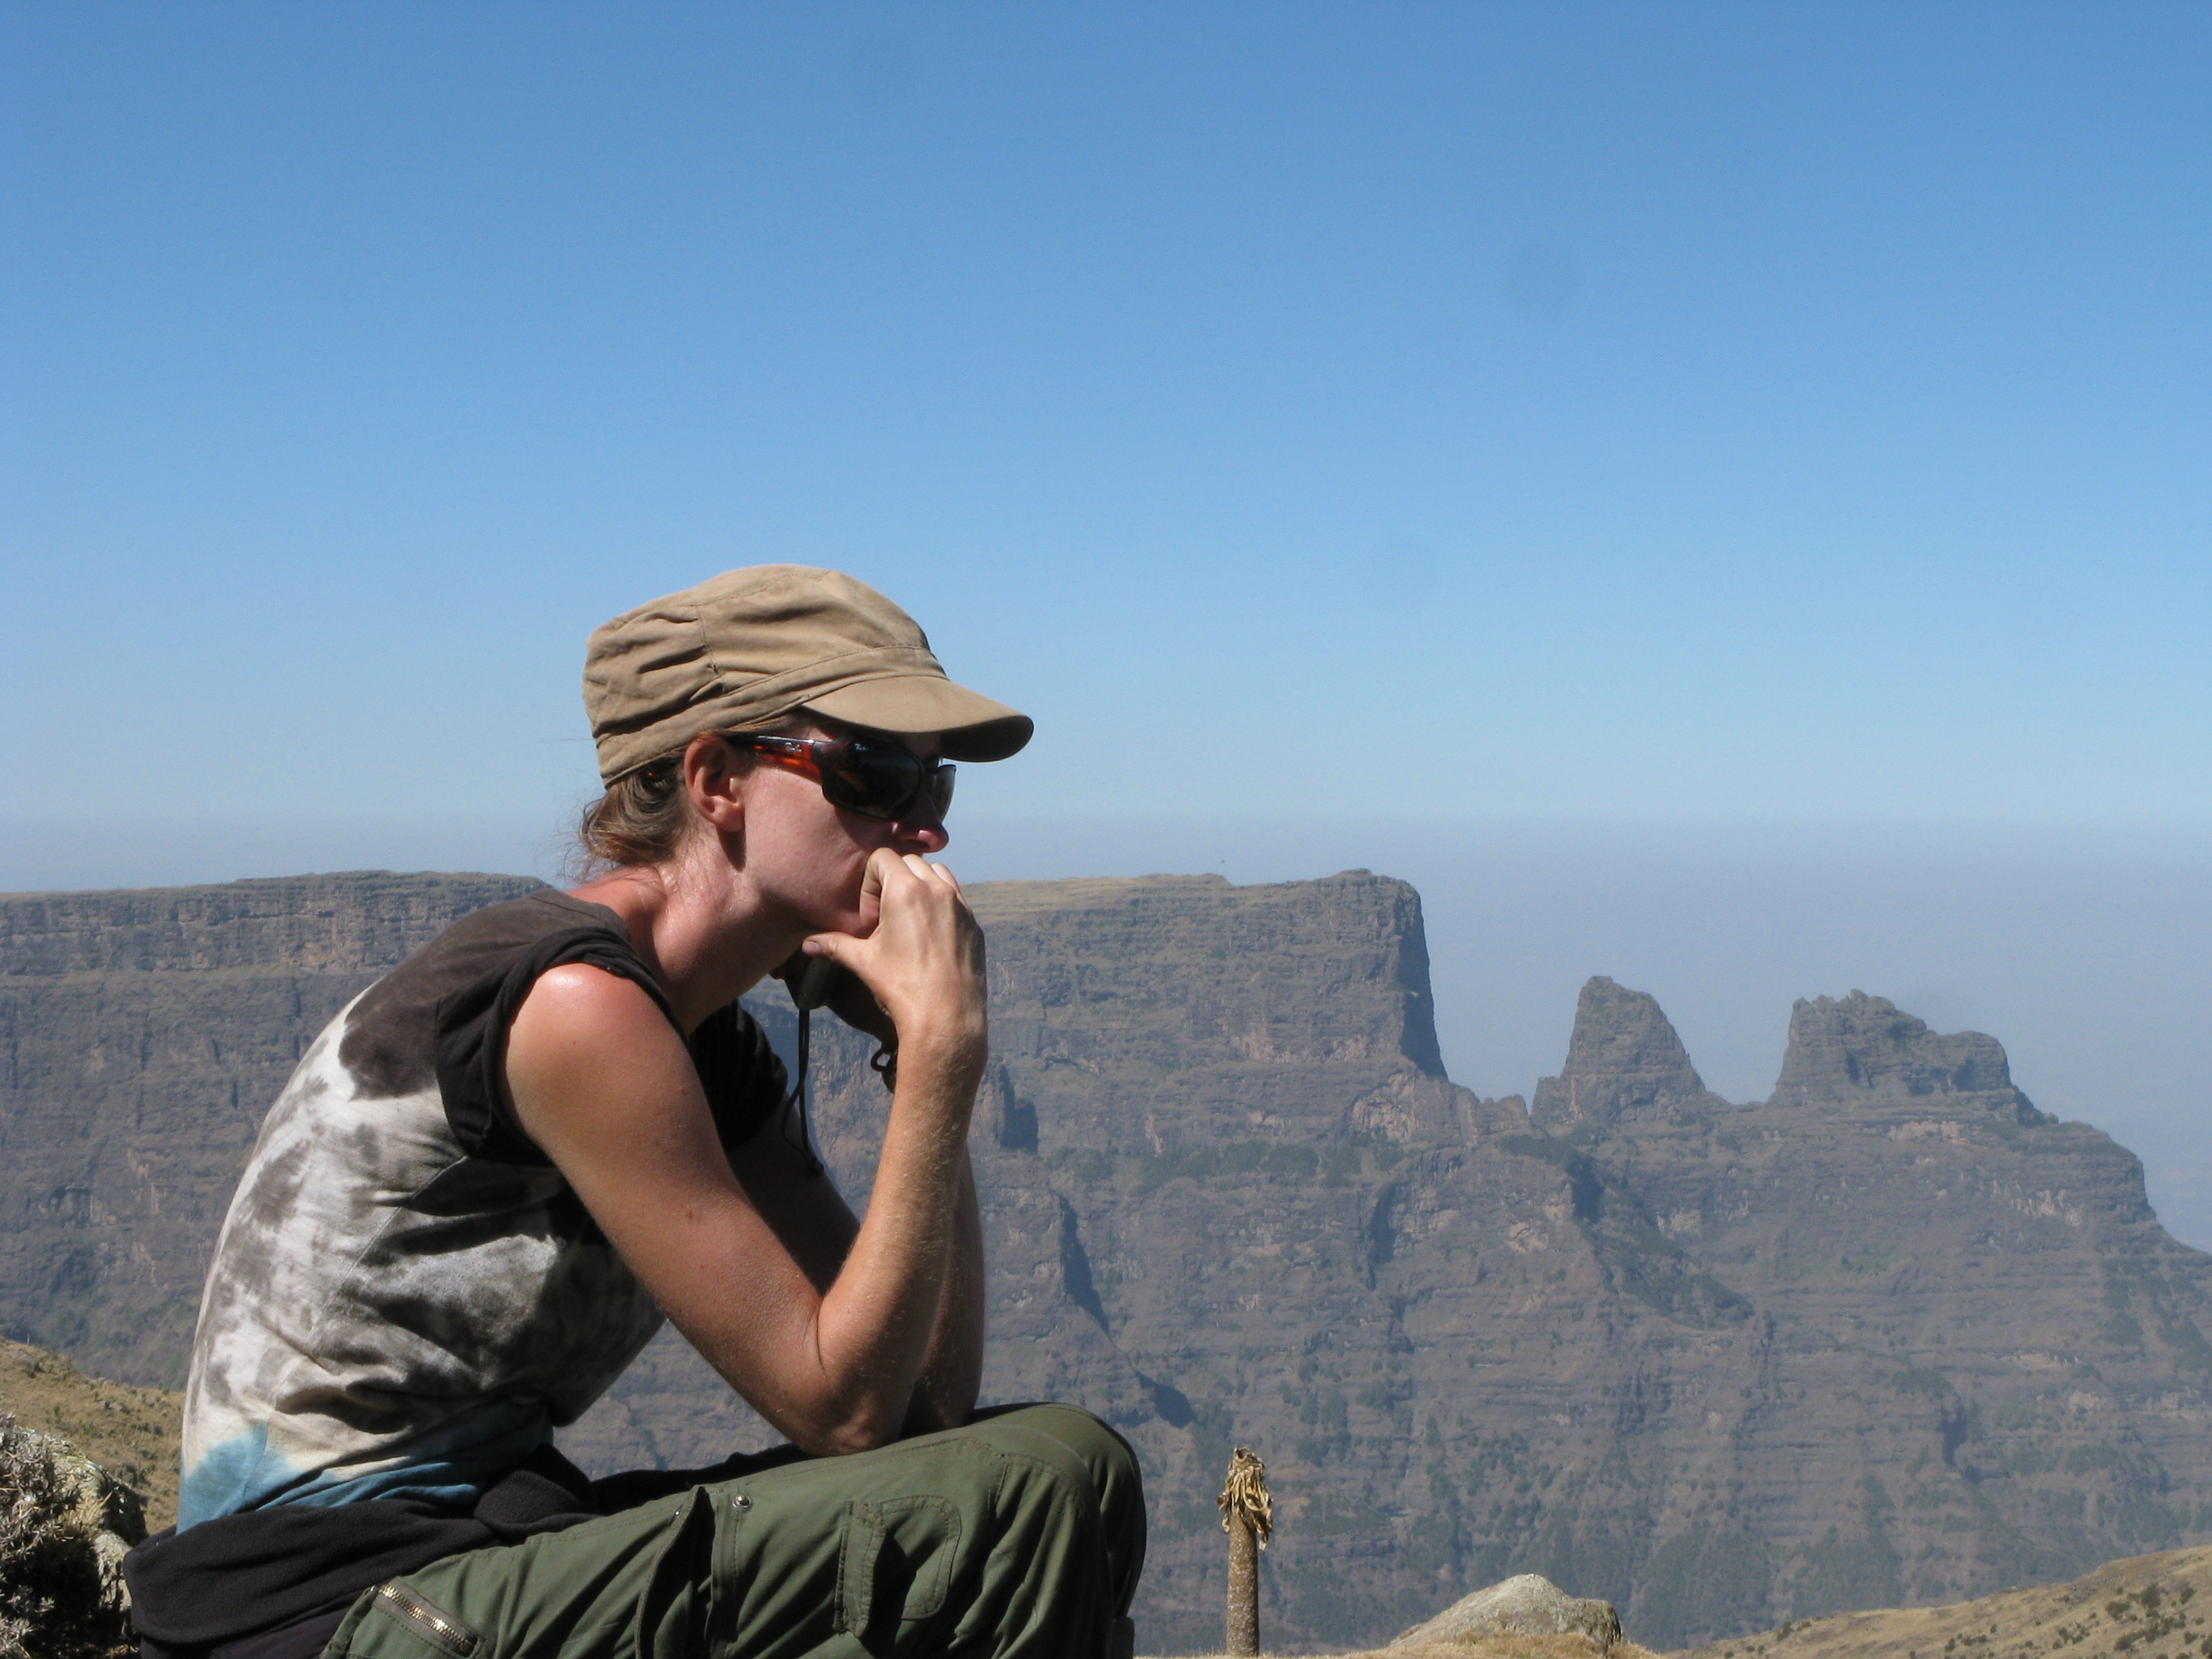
(1625,1066)
(1894,1336)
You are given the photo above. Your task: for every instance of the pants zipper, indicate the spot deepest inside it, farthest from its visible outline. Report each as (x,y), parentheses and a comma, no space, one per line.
(433,1624)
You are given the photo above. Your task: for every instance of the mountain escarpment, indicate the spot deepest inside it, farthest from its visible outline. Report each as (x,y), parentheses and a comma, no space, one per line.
(1892,1335)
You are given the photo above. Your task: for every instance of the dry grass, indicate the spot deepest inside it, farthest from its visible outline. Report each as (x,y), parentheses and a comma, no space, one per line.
(2148,1606)
(1496,1647)
(132,1433)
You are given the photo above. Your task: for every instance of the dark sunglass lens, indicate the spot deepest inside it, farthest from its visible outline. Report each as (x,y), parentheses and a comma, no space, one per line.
(940,788)
(876,781)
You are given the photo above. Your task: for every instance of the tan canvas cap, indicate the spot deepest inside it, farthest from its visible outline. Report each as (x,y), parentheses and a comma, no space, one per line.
(748,646)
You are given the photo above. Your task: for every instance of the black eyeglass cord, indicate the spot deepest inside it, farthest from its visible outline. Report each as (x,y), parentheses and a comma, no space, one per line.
(805,1145)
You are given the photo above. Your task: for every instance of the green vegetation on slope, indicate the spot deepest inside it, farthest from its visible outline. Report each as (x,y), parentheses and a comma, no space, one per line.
(132,1433)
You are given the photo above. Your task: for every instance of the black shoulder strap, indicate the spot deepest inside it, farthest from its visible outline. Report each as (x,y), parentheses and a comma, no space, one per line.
(743,1080)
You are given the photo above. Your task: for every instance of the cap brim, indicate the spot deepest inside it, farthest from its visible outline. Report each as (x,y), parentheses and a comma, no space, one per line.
(973,726)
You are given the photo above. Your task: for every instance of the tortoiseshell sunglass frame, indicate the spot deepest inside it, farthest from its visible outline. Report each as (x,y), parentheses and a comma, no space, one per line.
(828,762)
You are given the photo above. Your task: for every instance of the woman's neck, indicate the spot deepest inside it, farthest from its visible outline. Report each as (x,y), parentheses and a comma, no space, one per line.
(704,937)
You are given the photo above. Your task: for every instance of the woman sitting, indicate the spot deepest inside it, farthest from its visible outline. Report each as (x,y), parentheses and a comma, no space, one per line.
(503,1164)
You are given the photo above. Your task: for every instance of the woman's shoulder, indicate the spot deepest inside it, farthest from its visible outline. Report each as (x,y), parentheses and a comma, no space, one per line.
(391,1034)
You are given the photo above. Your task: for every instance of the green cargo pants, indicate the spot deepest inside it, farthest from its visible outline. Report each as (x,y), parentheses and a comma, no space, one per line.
(1021,1534)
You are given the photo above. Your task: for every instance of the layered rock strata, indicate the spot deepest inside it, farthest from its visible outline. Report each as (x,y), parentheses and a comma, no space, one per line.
(1894,1336)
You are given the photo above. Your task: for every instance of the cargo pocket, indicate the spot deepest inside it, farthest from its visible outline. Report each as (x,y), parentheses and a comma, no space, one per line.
(671,1608)
(896,1564)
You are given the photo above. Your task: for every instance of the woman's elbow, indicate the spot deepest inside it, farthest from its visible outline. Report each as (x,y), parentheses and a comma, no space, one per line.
(862,1430)
(928,1415)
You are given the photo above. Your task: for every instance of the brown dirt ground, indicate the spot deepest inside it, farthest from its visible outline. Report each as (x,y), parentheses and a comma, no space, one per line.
(1496,1647)
(132,1433)
(2147,1607)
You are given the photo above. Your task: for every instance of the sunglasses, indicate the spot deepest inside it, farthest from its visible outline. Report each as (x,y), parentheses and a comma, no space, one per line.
(873,777)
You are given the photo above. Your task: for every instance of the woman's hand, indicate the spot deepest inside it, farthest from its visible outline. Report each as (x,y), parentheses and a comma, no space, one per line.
(920,967)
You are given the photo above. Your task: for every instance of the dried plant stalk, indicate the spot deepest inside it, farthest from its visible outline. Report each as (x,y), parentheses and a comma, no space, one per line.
(1248,1516)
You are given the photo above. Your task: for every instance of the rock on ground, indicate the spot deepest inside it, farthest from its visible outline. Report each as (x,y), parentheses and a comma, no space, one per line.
(132,1433)
(1527,1604)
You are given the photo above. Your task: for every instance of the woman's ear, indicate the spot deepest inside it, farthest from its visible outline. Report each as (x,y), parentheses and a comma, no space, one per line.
(711,771)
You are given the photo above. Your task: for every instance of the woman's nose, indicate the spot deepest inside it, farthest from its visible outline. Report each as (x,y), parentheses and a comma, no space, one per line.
(922,835)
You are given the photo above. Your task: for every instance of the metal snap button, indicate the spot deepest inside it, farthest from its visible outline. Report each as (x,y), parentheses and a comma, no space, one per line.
(739,1501)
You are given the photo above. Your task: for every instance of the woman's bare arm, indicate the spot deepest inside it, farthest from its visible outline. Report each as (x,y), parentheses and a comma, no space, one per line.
(603,1083)
(810,1218)
(952,1372)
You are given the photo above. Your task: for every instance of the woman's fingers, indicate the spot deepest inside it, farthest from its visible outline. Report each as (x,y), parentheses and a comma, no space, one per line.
(924,958)
(939,873)
(880,862)
(912,875)
(835,946)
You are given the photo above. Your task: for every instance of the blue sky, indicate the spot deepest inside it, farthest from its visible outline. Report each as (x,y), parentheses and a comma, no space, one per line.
(1789,412)
(1424,437)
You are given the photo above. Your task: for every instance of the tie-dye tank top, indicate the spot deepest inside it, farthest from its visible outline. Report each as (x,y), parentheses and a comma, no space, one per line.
(407,1296)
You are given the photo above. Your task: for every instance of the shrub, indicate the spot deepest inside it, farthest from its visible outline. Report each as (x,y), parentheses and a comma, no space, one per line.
(62,1526)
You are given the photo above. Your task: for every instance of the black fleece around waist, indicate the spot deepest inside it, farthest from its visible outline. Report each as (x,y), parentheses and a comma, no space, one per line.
(238,1575)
